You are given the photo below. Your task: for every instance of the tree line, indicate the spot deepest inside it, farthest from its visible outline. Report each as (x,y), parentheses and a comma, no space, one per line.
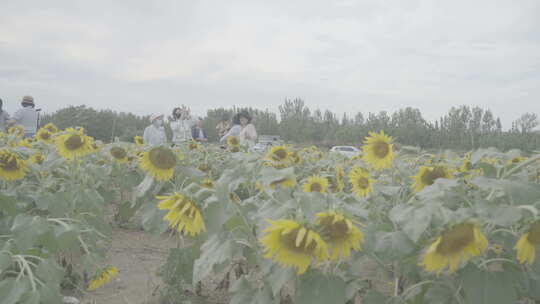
(462,128)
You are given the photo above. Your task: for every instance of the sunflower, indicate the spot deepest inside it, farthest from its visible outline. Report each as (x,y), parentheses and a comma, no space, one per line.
(283,183)
(73,143)
(37,158)
(340,233)
(339,183)
(466,165)
(119,154)
(183,214)
(362,184)
(27,142)
(234,149)
(17,131)
(12,166)
(516,160)
(51,128)
(279,155)
(526,246)
(454,246)
(291,244)
(159,162)
(378,150)
(428,174)
(44,135)
(208,183)
(102,279)
(139,141)
(193,145)
(233,141)
(315,183)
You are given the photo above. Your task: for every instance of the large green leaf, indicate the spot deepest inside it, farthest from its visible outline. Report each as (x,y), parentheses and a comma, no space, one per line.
(27,229)
(12,290)
(482,287)
(217,249)
(317,288)
(179,264)
(152,219)
(395,245)
(438,294)
(279,277)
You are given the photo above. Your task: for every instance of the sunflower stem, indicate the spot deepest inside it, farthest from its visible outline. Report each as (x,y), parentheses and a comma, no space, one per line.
(521,165)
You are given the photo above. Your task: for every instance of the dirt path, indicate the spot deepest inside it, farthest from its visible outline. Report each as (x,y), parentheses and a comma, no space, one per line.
(138,256)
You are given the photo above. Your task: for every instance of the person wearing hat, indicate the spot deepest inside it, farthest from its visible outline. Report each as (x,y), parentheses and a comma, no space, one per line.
(27,116)
(154,134)
(4,118)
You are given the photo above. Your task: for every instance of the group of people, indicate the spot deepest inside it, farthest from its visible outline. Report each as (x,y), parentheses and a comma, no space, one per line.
(27,116)
(186,128)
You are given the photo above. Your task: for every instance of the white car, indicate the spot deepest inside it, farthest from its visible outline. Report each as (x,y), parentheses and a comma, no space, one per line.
(348,151)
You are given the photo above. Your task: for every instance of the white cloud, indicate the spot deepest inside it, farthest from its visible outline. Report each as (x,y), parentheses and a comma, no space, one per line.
(343,55)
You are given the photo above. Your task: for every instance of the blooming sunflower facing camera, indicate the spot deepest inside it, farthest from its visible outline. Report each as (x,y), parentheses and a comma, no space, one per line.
(378,150)
(119,154)
(37,158)
(340,234)
(454,246)
(17,131)
(73,144)
(293,245)
(102,279)
(159,162)
(315,183)
(279,156)
(362,184)
(12,166)
(526,246)
(233,141)
(44,135)
(52,128)
(183,214)
(427,175)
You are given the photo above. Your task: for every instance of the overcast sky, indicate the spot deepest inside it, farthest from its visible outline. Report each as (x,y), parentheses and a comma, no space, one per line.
(149,56)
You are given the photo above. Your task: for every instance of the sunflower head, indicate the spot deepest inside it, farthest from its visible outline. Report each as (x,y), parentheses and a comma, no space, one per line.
(17,131)
(193,145)
(44,135)
(278,154)
(466,164)
(283,183)
(526,245)
(340,233)
(516,160)
(454,246)
(234,149)
(184,215)
(159,162)
(427,175)
(362,184)
(12,166)
(378,150)
(293,245)
(102,278)
(208,183)
(139,141)
(37,158)
(119,154)
(233,141)
(51,128)
(316,183)
(27,142)
(73,143)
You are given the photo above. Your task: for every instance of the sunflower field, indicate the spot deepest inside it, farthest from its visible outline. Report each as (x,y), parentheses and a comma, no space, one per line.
(292,225)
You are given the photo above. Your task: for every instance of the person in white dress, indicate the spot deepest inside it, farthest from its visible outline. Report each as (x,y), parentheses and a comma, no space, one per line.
(181,124)
(27,116)
(154,134)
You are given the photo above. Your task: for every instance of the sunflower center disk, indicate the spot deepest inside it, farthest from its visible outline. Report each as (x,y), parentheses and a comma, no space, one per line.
(118,153)
(162,158)
(381,149)
(280,154)
(456,240)
(316,187)
(534,234)
(289,242)
(74,142)
(335,231)
(45,135)
(363,182)
(8,163)
(429,177)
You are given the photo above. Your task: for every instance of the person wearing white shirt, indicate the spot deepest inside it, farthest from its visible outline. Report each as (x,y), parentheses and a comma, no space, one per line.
(181,124)
(154,134)
(27,116)
(4,118)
